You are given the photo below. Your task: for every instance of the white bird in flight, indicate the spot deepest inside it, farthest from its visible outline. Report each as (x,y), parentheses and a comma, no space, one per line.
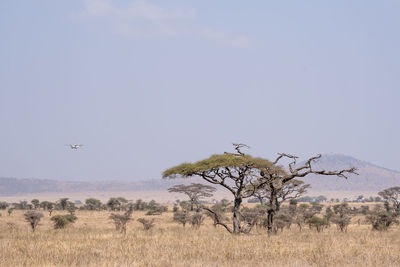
(74,146)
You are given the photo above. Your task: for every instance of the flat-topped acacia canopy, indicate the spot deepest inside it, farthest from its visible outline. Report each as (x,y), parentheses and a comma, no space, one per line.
(221,161)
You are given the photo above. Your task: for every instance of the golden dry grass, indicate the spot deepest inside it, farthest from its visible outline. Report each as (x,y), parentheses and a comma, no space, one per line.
(93,241)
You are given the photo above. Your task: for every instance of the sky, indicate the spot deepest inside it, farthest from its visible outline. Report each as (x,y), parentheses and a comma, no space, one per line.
(146,85)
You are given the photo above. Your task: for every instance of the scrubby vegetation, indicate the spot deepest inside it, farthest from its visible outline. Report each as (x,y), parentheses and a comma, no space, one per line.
(262,231)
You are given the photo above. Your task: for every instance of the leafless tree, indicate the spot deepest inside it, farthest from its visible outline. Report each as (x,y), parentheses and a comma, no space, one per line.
(282,184)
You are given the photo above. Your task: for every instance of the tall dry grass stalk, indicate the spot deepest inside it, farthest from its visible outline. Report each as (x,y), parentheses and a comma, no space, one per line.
(93,241)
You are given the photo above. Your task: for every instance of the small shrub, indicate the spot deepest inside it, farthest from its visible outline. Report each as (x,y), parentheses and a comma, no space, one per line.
(381,219)
(120,220)
(181,217)
(155,208)
(33,217)
(61,221)
(10,210)
(197,219)
(147,224)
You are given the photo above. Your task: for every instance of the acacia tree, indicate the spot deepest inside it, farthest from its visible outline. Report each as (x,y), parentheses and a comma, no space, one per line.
(93,204)
(236,172)
(63,202)
(341,216)
(114,204)
(243,175)
(33,218)
(194,191)
(120,220)
(36,203)
(392,194)
(280,184)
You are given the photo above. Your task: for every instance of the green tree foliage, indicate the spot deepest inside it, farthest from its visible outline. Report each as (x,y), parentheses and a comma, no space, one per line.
(318,223)
(61,221)
(341,216)
(93,204)
(3,205)
(114,204)
(46,205)
(140,205)
(392,195)
(243,175)
(10,211)
(233,171)
(381,219)
(63,202)
(155,208)
(36,203)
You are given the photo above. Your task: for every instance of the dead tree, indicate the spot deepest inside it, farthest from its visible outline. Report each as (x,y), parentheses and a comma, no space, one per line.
(194,191)
(280,185)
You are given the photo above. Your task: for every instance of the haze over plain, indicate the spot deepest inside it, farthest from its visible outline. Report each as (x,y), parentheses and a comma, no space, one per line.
(149,84)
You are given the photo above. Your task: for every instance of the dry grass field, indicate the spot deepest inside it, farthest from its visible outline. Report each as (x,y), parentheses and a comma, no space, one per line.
(93,241)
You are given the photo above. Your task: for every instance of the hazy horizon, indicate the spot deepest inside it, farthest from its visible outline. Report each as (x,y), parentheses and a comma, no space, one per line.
(146,85)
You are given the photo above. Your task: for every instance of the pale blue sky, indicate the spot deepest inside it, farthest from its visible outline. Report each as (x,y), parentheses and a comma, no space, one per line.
(149,84)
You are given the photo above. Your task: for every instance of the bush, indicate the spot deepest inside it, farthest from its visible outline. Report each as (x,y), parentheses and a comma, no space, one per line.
(147,224)
(61,221)
(155,208)
(10,210)
(33,217)
(197,219)
(3,205)
(181,217)
(318,223)
(381,219)
(120,220)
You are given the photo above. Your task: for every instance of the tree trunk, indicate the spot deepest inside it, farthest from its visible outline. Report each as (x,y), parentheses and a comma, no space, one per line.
(236,219)
(273,207)
(270,221)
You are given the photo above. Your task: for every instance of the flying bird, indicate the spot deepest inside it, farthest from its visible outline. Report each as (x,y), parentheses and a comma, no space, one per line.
(74,146)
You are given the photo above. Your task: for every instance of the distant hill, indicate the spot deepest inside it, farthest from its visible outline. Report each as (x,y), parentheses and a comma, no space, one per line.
(14,186)
(372,178)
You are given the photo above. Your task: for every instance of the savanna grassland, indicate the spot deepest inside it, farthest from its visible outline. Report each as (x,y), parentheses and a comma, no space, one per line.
(93,241)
